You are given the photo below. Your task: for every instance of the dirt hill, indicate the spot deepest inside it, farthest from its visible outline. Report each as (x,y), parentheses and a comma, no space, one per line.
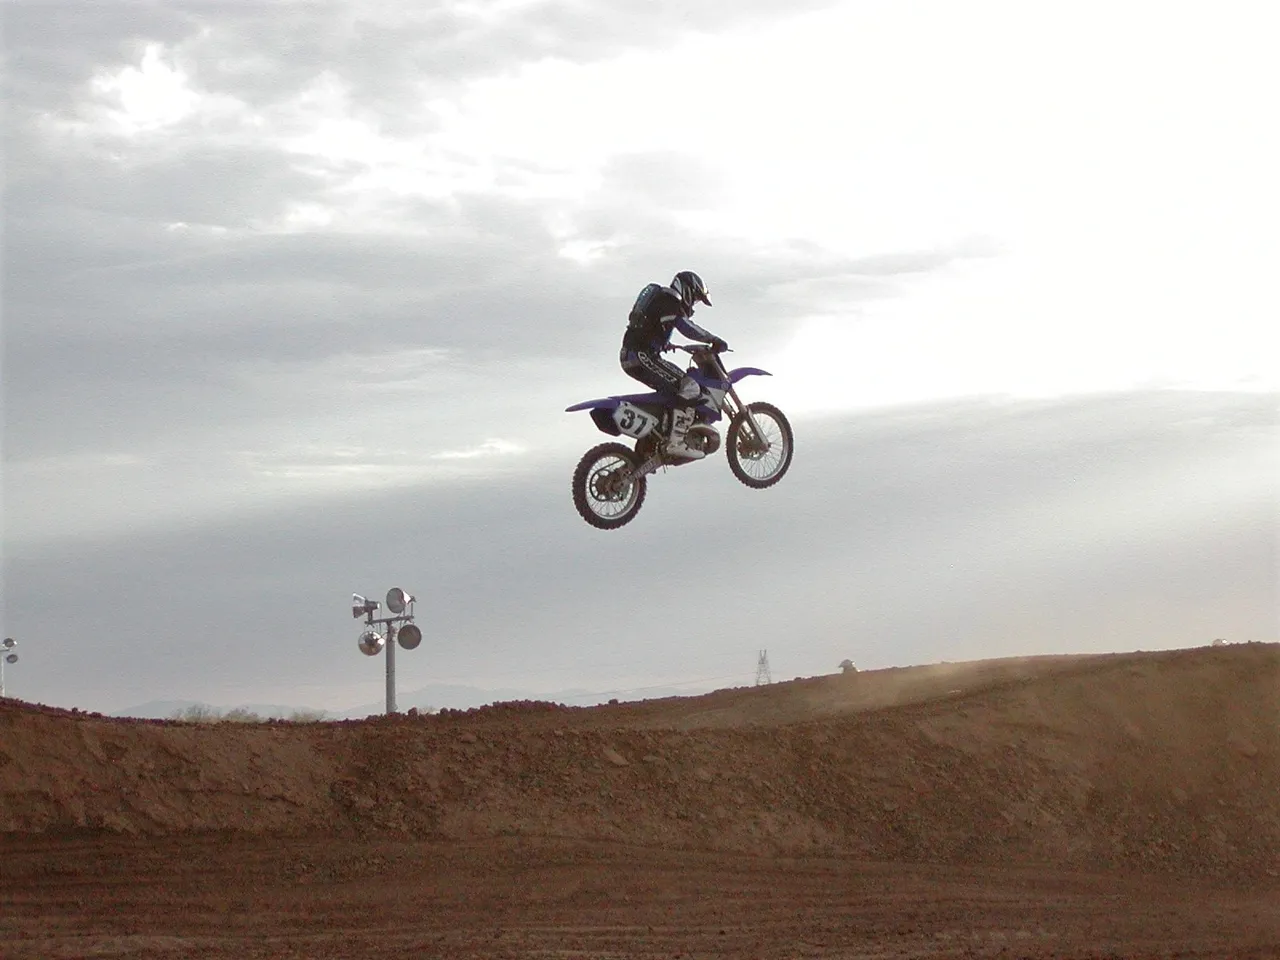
(1163,761)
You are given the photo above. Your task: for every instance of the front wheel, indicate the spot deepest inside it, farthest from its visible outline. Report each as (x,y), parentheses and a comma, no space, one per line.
(761,460)
(606,489)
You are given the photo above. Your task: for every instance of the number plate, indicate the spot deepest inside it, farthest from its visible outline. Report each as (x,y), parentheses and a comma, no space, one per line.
(633,421)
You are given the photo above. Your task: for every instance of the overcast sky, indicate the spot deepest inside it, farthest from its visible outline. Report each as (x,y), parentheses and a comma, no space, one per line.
(295,295)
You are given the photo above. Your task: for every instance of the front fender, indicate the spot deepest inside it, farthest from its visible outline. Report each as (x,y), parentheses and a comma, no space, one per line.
(739,372)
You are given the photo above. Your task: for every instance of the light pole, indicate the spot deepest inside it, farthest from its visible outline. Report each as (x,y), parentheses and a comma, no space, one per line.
(7,657)
(371,642)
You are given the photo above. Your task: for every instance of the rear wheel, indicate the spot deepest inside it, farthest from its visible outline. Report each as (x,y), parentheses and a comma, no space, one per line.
(606,489)
(759,461)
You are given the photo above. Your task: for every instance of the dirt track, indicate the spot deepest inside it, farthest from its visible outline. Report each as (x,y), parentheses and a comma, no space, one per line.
(1113,806)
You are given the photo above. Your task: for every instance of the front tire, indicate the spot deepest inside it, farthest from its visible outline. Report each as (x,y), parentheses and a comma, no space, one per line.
(762,461)
(606,490)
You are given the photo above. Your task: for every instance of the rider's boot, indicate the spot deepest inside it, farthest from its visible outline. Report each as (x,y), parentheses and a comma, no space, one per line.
(677,443)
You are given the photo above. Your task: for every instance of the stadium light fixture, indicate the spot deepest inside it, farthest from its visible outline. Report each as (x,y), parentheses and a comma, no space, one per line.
(398,600)
(9,658)
(409,636)
(398,628)
(371,642)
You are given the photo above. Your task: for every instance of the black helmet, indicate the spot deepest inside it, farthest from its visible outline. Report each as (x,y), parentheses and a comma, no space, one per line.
(691,288)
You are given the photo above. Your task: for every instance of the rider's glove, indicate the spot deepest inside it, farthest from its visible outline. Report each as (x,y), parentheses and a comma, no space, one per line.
(718,345)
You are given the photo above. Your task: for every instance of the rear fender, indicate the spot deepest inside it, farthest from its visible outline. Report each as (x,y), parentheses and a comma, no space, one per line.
(606,403)
(619,415)
(652,399)
(603,417)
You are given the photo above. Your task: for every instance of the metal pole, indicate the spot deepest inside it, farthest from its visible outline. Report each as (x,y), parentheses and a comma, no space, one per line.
(391,668)
(1,675)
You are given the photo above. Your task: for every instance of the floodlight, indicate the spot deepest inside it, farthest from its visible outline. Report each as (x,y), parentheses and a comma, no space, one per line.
(397,600)
(13,657)
(360,606)
(9,643)
(371,643)
(410,636)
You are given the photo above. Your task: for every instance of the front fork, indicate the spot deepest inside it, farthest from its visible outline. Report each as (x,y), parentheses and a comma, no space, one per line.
(757,440)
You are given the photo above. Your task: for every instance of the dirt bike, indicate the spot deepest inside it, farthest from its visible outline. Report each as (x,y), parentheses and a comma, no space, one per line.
(609,483)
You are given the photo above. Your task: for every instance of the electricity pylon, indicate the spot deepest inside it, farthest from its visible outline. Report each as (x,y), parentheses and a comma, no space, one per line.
(762,669)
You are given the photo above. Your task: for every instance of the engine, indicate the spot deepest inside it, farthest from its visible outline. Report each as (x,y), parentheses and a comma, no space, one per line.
(704,436)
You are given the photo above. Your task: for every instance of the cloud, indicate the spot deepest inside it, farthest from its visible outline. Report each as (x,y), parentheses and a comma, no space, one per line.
(130,321)
(150,269)
(490,448)
(54,47)
(388,52)
(667,180)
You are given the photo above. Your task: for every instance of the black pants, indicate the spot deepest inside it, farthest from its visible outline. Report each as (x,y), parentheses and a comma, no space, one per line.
(651,370)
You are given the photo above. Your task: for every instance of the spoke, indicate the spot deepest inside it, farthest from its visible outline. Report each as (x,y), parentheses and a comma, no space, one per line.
(603,504)
(759,463)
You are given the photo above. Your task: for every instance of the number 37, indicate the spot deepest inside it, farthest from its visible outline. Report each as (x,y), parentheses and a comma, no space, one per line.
(632,421)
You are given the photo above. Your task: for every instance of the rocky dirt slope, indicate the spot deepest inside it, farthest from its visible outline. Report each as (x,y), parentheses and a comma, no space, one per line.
(1163,761)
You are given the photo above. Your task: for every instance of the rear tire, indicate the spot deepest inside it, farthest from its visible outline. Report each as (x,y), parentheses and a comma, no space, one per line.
(606,491)
(759,462)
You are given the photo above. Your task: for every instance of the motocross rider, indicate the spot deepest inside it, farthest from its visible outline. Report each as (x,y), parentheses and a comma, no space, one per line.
(656,313)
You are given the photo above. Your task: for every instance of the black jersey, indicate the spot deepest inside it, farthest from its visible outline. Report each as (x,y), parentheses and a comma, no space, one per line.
(657,311)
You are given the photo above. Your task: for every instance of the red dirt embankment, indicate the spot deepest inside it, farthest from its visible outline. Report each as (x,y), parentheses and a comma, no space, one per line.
(1149,761)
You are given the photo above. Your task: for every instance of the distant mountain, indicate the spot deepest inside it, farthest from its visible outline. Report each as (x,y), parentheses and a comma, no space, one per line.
(169,709)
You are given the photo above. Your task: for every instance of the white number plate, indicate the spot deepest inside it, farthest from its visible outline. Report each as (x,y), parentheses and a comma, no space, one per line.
(633,421)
